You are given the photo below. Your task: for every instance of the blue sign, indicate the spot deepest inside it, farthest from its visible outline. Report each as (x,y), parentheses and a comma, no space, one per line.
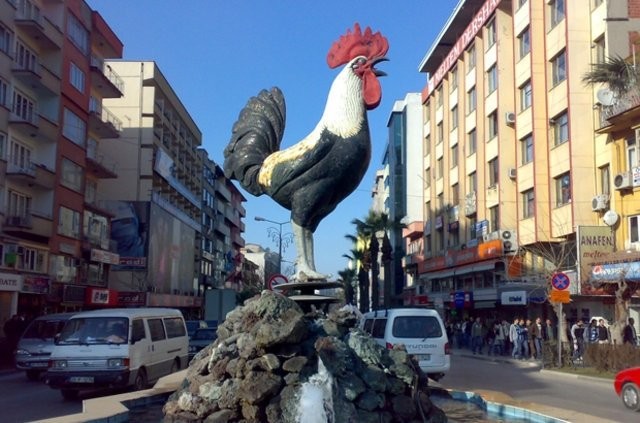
(616,271)
(560,281)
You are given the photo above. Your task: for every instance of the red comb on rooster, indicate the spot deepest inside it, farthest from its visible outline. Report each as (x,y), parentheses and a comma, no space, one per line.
(313,176)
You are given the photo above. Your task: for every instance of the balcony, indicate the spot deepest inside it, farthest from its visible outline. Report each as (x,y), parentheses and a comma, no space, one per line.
(617,111)
(30,174)
(99,165)
(36,226)
(37,77)
(102,122)
(104,80)
(38,29)
(25,122)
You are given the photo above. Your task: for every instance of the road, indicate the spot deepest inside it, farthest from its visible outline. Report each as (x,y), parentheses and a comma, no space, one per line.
(525,382)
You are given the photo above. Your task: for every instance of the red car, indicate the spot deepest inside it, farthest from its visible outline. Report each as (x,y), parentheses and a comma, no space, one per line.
(627,386)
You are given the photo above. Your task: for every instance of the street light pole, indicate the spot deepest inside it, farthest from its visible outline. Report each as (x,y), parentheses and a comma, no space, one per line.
(262,219)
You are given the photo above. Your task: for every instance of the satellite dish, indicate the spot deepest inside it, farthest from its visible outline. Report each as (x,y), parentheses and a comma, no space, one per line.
(610,218)
(606,97)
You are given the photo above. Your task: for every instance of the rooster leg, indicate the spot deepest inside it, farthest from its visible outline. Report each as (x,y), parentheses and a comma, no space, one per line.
(304,245)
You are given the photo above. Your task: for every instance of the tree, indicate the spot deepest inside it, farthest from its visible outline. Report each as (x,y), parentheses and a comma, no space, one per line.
(347,276)
(360,258)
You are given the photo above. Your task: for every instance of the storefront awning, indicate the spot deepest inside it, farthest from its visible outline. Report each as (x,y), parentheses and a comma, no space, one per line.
(439,275)
(476,267)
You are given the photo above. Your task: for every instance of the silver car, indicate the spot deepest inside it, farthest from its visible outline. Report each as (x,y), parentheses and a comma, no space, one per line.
(37,342)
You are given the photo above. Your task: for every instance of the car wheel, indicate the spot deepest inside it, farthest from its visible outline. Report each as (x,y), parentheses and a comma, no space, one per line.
(631,396)
(69,394)
(175,366)
(141,381)
(33,375)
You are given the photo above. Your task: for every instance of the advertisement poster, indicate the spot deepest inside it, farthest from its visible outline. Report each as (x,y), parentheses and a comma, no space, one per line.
(130,229)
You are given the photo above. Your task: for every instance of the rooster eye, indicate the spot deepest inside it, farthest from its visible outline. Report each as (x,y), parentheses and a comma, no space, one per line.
(359,62)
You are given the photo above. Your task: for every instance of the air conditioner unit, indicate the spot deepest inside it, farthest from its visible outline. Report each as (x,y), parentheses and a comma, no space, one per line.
(509,241)
(512,173)
(600,202)
(510,118)
(491,236)
(623,181)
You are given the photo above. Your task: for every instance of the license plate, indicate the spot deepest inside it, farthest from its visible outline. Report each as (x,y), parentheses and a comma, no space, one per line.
(423,357)
(81,379)
(39,364)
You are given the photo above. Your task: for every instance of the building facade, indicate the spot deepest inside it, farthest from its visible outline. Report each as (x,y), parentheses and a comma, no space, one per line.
(512,158)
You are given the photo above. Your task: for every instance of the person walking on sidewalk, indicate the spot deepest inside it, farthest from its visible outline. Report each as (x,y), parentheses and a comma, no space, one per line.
(577,336)
(603,333)
(477,336)
(506,343)
(513,338)
(629,335)
(535,333)
(498,340)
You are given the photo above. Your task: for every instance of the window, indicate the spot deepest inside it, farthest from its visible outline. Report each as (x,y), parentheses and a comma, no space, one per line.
(559,68)
(526,144)
(69,223)
(379,326)
(491,33)
(5,39)
(440,96)
(175,327)
(560,129)
(528,202)
(455,194)
(427,145)
(600,55)
(525,95)
(440,130)
(521,3)
(632,153)
(427,112)
(439,168)
(453,79)
(77,33)
(71,175)
(74,128)
(454,156)
(492,125)
(524,42)
(494,172)
(454,117)
(76,77)
(557,11)
(471,58)
(137,330)
(19,204)
(471,142)
(605,179)
(471,100)
(563,189)
(596,3)
(156,329)
(634,228)
(427,178)
(492,79)
(472,182)
(494,218)
(32,260)
(20,156)
(4,92)
(3,144)
(25,58)
(23,107)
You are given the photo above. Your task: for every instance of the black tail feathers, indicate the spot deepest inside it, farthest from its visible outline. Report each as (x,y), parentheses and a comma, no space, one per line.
(256,134)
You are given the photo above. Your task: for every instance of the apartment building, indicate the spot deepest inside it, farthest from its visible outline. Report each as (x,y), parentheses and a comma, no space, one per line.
(54,246)
(512,160)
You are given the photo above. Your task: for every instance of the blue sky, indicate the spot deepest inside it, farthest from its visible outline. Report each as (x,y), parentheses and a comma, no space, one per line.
(217,54)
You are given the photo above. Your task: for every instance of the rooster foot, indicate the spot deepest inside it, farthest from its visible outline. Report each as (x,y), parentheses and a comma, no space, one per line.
(310,275)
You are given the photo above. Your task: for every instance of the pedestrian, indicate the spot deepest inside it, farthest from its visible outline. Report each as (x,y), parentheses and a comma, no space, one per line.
(535,333)
(577,336)
(513,338)
(490,338)
(523,339)
(506,344)
(548,331)
(467,332)
(457,330)
(498,340)
(592,332)
(629,335)
(603,333)
(477,336)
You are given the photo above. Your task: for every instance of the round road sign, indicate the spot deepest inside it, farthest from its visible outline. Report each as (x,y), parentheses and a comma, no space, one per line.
(276,280)
(560,281)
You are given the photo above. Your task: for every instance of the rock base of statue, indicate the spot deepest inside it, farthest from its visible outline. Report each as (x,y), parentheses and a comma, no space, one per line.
(318,294)
(267,353)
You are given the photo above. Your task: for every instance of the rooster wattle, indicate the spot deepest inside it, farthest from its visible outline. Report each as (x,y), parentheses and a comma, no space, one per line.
(313,176)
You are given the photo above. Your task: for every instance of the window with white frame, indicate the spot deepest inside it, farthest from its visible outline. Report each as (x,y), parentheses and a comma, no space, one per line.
(19,154)
(525,95)
(527,149)
(69,223)
(74,128)
(76,77)
(605,179)
(563,189)
(559,68)
(77,33)
(492,79)
(599,51)
(18,204)
(634,228)
(492,125)
(632,152)
(491,33)
(560,129)
(557,11)
(524,42)
(471,100)
(71,175)
(528,203)
(32,260)
(25,58)
(5,39)
(23,106)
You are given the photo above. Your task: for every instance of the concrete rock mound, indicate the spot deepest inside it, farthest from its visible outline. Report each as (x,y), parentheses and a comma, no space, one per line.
(269,348)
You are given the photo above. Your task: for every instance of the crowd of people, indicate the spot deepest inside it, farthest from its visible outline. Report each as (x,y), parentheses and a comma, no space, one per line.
(523,337)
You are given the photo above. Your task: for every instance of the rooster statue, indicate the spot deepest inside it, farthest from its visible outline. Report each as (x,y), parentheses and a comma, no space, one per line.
(313,176)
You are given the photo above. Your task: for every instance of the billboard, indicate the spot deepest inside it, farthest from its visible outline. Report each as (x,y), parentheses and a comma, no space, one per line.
(130,230)
(171,252)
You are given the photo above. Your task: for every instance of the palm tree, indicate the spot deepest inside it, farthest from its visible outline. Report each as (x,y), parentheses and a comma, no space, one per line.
(360,257)
(617,73)
(347,276)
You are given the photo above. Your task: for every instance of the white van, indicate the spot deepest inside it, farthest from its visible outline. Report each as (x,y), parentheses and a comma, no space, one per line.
(117,348)
(420,330)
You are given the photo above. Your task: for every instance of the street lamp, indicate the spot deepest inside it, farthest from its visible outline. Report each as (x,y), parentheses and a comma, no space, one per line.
(272,234)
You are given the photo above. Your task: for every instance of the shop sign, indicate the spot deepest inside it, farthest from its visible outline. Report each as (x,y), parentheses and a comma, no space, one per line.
(35,285)
(559,296)
(133,262)
(462,299)
(615,271)
(128,299)
(102,256)
(514,298)
(595,243)
(10,282)
(101,296)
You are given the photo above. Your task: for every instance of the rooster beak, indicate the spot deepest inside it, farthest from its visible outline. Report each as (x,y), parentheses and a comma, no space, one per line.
(374,62)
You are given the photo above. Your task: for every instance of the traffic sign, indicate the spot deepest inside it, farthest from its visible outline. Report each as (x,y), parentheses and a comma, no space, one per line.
(276,280)
(560,281)
(559,296)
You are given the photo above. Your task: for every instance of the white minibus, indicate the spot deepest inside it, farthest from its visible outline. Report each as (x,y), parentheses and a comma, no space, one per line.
(117,348)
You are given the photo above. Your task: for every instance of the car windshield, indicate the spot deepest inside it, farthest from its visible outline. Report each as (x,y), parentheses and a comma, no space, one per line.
(204,335)
(95,330)
(43,329)
(416,327)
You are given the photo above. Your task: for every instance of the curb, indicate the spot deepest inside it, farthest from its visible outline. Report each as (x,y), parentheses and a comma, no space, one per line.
(578,377)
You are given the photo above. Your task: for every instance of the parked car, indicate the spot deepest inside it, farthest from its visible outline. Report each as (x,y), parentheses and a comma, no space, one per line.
(200,339)
(627,386)
(422,332)
(35,346)
(192,325)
